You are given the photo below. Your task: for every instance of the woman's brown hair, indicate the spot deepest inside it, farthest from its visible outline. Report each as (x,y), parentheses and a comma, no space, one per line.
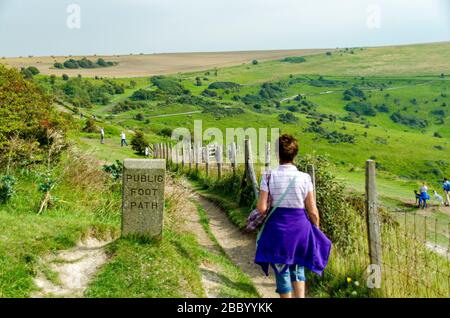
(287,148)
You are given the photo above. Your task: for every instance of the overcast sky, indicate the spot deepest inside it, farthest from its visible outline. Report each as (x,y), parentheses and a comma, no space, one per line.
(40,27)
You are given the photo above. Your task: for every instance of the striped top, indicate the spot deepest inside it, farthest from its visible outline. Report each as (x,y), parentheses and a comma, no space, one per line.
(279,180)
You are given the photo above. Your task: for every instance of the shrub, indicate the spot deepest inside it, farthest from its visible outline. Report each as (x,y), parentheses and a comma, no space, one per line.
(90,126)
(139,143)
(360,109)
(382,108)
(349,94)
(224,85)
(115,170)
(166,132)
(7,191)
(294,59)
(255,62)
(288,118)
(26,113)
(168,85)
(65,77)
(58,65)
(270,90)
(408,120)
(34,70)
(209,93)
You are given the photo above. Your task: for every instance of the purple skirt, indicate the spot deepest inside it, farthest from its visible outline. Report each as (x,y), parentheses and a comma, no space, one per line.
(290,238)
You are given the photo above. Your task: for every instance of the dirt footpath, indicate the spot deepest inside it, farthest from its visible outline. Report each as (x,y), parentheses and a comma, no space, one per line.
(238,246)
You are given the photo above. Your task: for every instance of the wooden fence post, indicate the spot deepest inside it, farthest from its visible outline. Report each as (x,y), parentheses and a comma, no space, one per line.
(312,172)
(190,156)
(206,152)
(233,157)
(182,154)
(249,170)
(197,155)
(372,216)
(267,161)
(167,152)
(219,161)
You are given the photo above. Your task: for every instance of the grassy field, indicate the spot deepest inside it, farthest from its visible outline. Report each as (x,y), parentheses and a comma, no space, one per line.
(405,80)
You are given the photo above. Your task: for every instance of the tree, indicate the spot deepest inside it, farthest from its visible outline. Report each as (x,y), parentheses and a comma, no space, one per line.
(139,143)
(26,113)
(139,116)
(90,126)
(34,70)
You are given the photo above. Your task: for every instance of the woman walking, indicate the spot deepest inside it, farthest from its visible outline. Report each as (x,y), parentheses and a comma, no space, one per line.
(290,239)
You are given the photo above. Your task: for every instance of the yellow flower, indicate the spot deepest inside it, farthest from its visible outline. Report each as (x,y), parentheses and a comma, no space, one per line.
(349,280)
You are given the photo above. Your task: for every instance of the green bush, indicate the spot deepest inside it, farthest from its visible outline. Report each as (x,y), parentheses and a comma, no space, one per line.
(224,85)
(168,85)
(288,118)
(7,191)
(26,114)
(139,143)
(294,59)
(361,109)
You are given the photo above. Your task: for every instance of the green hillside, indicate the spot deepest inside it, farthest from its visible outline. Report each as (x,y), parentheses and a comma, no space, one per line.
(389,103)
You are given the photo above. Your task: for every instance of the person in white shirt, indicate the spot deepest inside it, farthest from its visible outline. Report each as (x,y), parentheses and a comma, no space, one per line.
(102,135)
(123,139)
(298,203)
(424,195)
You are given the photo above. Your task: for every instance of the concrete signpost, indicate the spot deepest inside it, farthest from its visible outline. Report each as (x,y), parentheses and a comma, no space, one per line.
(143,197)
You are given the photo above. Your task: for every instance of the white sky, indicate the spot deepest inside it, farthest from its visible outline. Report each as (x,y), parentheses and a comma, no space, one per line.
(38,27)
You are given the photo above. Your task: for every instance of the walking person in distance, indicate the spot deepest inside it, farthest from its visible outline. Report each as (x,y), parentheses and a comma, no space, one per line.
(123,139)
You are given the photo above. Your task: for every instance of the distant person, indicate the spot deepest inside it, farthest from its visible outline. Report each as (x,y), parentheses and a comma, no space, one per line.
(446,187)
(418,198)
(123,139)
(424,195)
(290,239)
(102,135)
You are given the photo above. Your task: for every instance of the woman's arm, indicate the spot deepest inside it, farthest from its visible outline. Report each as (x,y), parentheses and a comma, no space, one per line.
(262,202)
(311,207)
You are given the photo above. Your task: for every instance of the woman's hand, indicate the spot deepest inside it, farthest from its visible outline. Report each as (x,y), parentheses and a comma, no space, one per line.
(311,208)
(262,202)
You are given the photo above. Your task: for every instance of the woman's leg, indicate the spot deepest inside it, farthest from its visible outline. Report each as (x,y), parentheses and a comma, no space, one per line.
(283,280)
(298,280)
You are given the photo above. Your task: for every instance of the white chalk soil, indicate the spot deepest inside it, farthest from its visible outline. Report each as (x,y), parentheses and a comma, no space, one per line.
(71,269)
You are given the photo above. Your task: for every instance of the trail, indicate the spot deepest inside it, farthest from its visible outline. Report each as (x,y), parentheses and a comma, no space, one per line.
(176,114)
(238,246)
(71,270)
